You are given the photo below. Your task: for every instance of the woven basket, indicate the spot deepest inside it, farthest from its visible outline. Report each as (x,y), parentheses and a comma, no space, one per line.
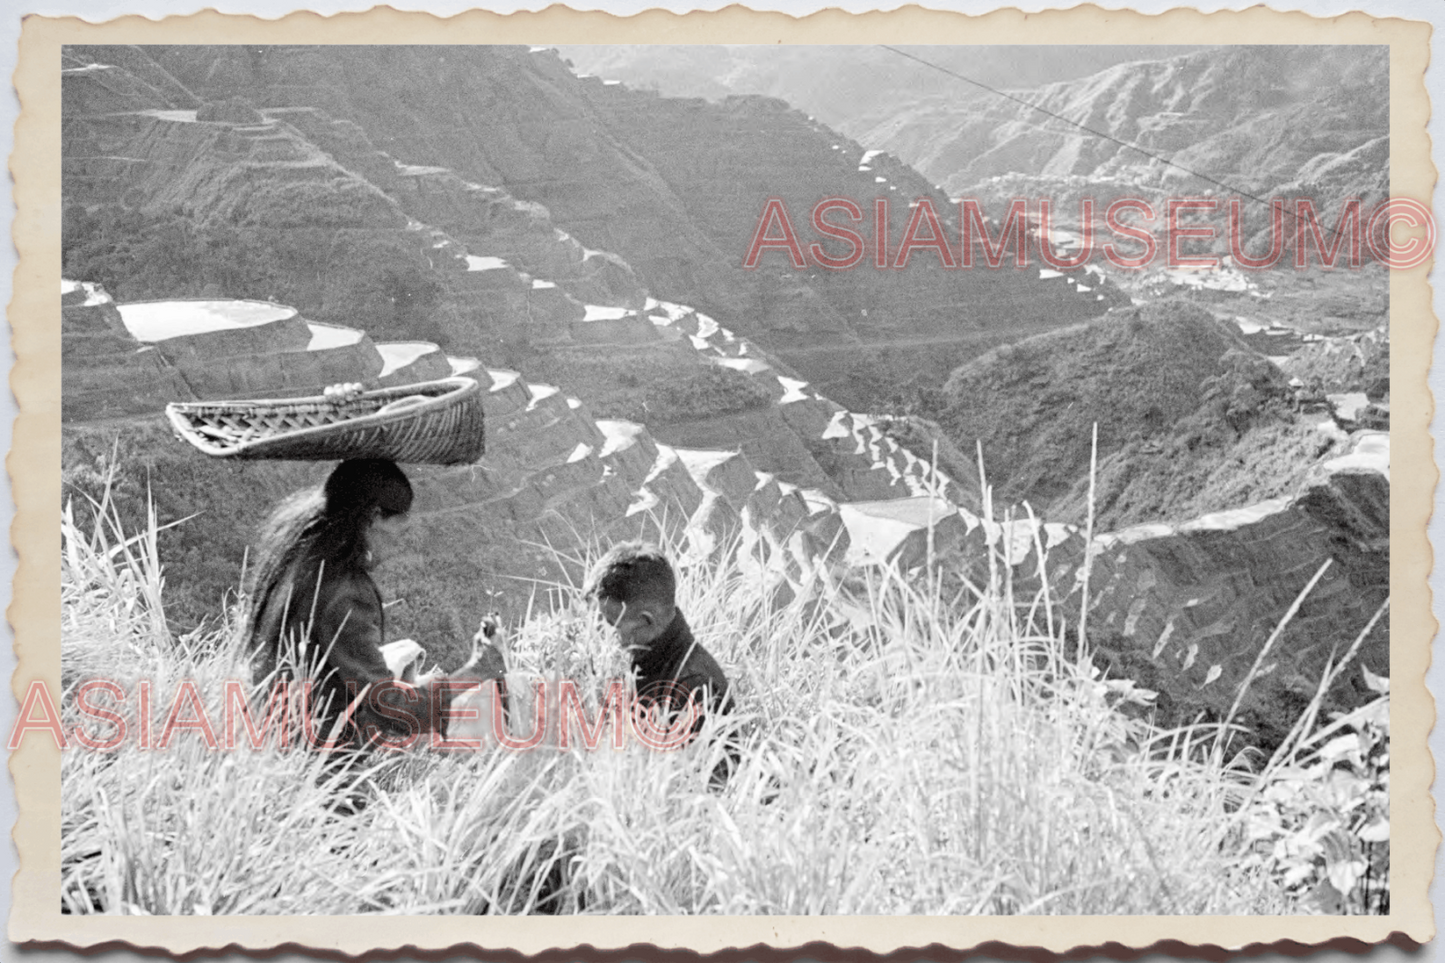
(438,422)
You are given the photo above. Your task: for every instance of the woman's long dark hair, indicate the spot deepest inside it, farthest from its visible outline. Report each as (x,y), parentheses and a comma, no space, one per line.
(324,527)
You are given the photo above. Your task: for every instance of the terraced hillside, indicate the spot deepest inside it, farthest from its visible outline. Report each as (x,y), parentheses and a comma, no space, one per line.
(567,243)
(554,478)
(329,187)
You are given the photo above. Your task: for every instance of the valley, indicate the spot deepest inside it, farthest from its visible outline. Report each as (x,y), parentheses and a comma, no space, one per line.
(576,245)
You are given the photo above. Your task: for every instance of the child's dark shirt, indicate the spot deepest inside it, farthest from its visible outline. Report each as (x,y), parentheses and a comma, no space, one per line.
(675,662)
(675,657)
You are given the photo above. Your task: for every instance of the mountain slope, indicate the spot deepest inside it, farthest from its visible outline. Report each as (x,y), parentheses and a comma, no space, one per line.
(1257,118)
(850,88)
(674,187)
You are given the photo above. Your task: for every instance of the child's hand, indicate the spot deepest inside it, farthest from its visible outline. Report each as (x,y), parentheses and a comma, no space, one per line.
(490,633)
(490,630)
(489,650)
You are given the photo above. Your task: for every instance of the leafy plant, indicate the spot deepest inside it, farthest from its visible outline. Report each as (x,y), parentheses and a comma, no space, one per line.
(1322,824)
(704,391)
(1250,389)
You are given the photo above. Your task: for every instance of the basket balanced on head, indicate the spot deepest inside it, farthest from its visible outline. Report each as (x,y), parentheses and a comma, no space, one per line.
(437,422)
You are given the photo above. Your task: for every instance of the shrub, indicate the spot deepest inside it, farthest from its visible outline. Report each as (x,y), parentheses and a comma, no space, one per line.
(704,391)
(1249,390)
(335,202)
(1321,825)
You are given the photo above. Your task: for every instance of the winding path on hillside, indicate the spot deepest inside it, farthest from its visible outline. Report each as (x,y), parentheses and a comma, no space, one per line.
(969,337)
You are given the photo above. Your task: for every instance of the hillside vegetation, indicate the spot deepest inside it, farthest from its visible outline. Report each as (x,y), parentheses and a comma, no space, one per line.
(931,759)
(1032,404)
(1242,447)
(1191,420)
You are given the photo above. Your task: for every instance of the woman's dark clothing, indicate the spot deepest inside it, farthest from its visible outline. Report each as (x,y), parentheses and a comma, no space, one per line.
(338,618)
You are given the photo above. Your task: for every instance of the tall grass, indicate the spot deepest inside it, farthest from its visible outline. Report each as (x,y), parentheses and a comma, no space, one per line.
(902,753)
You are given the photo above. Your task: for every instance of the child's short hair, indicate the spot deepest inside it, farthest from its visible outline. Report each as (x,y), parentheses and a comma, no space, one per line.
(633,572)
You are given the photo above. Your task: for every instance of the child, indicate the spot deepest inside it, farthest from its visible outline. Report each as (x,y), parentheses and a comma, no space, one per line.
(635,587)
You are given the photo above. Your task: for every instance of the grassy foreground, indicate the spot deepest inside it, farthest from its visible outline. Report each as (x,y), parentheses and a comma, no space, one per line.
(905,754)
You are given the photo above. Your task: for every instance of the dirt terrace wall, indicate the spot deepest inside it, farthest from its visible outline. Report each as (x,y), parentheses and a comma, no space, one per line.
(763,435)
(106,373)
(1186,609)
(284,372)
(140,381)
(629,329)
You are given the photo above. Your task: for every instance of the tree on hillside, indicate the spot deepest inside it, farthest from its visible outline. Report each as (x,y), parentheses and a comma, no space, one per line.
(135,256)
(1250,390)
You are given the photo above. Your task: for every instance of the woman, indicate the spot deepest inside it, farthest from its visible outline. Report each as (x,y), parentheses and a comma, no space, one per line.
(316,613)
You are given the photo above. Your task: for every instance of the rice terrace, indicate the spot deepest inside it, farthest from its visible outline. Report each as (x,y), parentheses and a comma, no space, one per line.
(748,504)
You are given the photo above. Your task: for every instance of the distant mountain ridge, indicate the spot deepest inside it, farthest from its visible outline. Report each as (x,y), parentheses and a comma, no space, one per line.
(849,88)
(1263,118)
(1258,119)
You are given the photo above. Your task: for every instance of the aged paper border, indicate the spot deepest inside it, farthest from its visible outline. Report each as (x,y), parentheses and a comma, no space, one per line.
(35,460)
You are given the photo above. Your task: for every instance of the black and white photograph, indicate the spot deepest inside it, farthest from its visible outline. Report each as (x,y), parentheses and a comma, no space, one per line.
(726,480)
